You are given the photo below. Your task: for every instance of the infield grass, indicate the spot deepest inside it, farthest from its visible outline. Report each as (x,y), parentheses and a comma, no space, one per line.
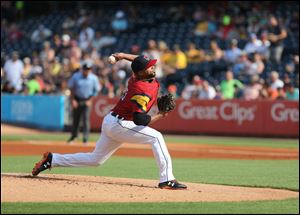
(290,206)
(227,141)
(256,173)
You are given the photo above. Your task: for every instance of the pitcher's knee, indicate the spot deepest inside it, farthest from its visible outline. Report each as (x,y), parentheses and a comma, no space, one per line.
(157,134)
(96,160)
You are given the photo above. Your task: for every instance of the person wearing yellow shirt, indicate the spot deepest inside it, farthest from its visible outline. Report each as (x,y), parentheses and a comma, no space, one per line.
(181,59)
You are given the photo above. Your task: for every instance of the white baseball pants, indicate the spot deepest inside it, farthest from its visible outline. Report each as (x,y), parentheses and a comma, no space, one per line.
(114,132)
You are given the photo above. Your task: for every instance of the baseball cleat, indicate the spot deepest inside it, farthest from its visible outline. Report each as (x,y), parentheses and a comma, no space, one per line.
(45,163)
(172,185)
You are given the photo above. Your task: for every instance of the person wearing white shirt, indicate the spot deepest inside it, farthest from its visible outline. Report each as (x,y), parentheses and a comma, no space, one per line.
(275,81)
(13,70)
(207,91)
(253,45)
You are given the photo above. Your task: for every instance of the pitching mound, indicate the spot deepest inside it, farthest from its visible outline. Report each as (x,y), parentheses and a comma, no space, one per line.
(74,188)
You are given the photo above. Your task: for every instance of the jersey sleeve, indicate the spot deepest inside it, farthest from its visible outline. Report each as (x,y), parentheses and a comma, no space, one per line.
(140,102)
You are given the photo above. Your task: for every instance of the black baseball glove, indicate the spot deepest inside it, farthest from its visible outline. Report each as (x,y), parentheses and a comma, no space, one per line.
(166,103)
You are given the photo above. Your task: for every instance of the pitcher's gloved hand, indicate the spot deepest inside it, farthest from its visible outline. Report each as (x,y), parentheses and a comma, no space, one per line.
(166,103)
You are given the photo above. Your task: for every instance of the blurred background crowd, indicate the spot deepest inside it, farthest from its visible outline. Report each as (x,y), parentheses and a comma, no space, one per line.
(206,50)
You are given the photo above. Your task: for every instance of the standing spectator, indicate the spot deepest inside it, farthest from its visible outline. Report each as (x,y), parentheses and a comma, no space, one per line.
(229,85)
(13,69)
(84,85)
(276,35)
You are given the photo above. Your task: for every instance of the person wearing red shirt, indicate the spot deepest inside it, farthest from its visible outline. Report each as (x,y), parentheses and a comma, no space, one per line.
(127,122)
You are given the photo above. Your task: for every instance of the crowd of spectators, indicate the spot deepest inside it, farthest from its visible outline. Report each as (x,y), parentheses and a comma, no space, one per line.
(240,72)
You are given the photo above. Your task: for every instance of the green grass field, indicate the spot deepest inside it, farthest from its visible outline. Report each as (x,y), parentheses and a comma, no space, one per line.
(283,174)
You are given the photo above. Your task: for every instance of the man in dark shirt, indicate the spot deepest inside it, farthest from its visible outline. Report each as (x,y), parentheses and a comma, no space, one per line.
(276,35)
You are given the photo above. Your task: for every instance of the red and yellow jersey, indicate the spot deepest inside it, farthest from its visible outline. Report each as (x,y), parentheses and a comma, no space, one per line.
(140,97)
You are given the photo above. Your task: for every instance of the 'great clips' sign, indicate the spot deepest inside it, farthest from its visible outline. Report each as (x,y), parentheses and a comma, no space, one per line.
(232,117)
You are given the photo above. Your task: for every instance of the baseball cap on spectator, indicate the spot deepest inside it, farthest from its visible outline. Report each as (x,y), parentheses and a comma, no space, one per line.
(234,42)
(141,63)
(120,14)
(87,65)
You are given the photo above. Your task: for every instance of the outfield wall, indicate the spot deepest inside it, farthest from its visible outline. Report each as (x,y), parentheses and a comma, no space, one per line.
(219,117)
(214,117)
(38,111)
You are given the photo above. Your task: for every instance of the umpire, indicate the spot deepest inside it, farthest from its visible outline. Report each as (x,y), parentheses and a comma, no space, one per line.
(84,85)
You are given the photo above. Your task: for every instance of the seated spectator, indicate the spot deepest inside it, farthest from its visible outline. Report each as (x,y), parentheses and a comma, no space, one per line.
(232,54)
(40,34)
(192,90)
(275,81)
(33,86)
(14,33)
(36,68)
(68,23)
(241,67)
(201,28)
(86,36)
(251,92)
(263,50)
(229,86)
(172,89)
(292,66)
(181,60)
(253,45)
(193,54)
(153,52)
(101,41)
(207,91)
(267,92)
(119,23)
(256,66)
(48,53)
(292,93)
(27,66)
(55,67)
(281,93)
(215,53)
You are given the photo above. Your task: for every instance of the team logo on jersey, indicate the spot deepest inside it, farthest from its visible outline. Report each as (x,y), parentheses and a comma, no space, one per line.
(141,100)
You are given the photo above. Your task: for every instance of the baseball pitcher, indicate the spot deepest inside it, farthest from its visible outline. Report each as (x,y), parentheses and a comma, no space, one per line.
(128,122)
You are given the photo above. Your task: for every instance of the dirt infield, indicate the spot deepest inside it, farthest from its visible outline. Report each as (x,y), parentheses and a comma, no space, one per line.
(68,188)
(143,150)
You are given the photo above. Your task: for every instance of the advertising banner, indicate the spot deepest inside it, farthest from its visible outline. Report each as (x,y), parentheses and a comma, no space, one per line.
(41,111)
(219,117)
